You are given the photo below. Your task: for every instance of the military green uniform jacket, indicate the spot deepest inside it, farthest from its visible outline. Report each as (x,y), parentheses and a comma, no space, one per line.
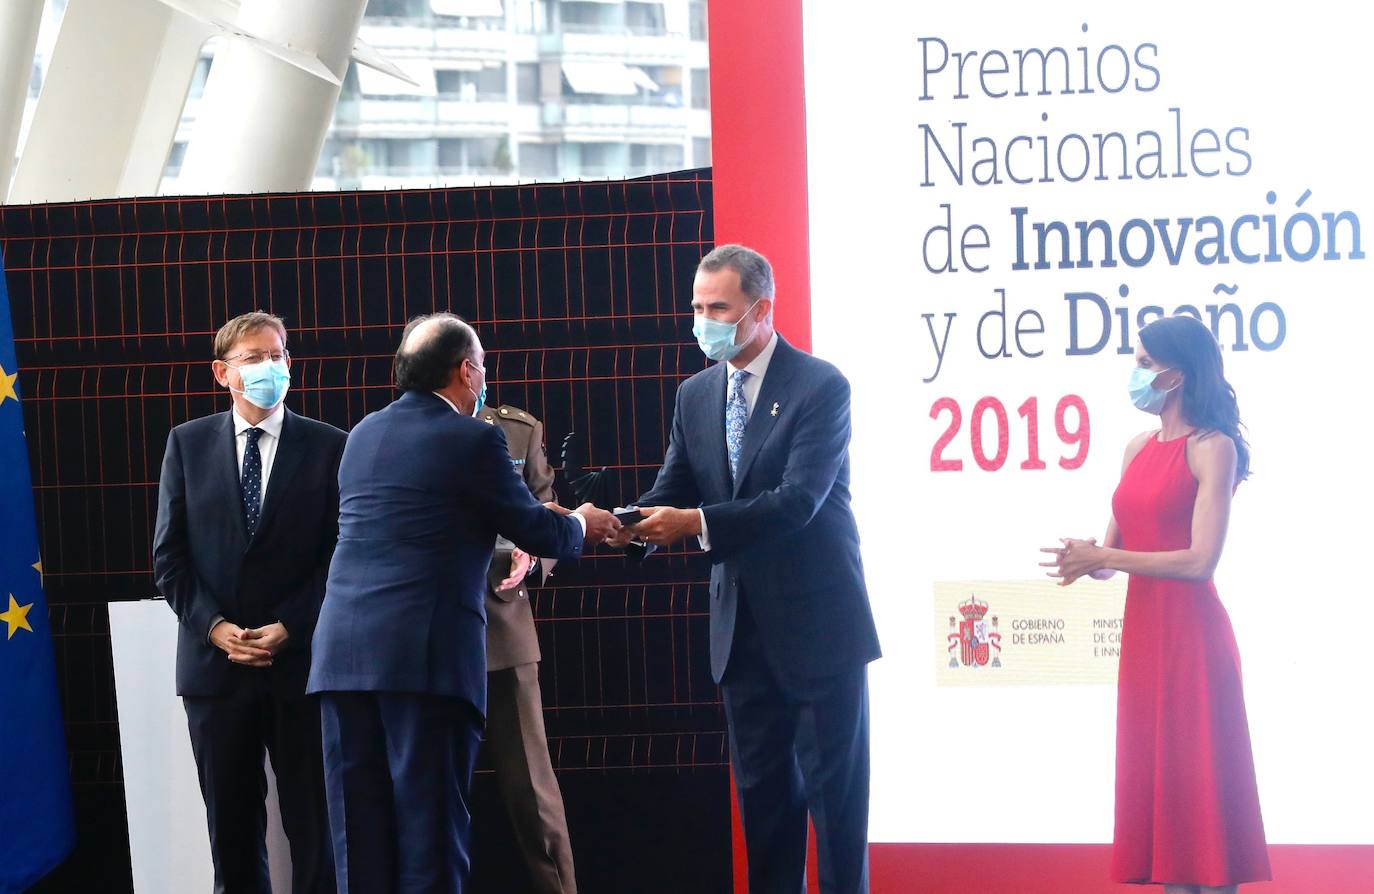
(511,638)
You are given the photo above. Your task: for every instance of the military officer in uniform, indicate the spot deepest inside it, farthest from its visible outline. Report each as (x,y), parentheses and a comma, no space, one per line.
(516,744)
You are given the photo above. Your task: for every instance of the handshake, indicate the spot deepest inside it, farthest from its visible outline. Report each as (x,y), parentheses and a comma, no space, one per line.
(653,525)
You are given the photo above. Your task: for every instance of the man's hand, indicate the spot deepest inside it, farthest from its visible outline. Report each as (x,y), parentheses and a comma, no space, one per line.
(601,524)
(520,563)
(271,637)
(230,639)
(665,525)
(621,538)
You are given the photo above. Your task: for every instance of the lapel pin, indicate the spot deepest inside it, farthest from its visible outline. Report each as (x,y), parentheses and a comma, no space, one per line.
(774,411)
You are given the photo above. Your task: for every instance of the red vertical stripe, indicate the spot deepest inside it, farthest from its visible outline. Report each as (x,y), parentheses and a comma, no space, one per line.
(758,145)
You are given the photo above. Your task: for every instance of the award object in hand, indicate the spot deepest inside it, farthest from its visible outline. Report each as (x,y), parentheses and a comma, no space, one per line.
(635,550)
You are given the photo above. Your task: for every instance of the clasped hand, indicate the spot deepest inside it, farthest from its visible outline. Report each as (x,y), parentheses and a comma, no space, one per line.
(1074,559)
(253,647)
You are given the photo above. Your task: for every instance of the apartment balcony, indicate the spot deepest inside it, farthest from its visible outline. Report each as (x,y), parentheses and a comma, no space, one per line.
(421,116)
(426,39)
(623,45)
(616,121)
(406,37)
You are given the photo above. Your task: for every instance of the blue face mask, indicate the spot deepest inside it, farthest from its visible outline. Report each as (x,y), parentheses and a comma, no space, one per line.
(717,339)
(481,396)
(1144,394)
(265,384)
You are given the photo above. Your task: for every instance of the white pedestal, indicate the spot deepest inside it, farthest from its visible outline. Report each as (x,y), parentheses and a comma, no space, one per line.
(168,842)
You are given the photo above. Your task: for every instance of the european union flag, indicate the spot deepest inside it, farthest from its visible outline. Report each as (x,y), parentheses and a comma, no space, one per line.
(36,828)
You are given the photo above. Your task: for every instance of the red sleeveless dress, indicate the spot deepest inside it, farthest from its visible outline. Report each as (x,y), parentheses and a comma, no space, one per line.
(1187,810)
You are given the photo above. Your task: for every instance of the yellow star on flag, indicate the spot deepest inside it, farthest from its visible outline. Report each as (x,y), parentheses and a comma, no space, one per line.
(17,617)
(7,386)
(38,566)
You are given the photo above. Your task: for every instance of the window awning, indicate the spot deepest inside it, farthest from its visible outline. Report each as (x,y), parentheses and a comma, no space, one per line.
(470,8)
(609,78)
(376,83)
(642,79)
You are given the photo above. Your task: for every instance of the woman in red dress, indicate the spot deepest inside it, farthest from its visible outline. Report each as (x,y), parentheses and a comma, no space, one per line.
(1187,809)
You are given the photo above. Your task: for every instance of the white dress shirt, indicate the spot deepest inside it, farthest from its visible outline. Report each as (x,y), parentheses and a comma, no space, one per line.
(757,369)
(267,449)
(577,515)
(267,442)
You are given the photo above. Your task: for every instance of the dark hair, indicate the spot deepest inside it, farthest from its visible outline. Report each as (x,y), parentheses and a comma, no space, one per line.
(1181,342)
(755,273)
(428,365)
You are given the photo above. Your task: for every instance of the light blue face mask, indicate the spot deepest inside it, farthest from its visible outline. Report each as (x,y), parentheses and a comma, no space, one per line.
(1144,394)
(717,339)
(482,396)
(265,383)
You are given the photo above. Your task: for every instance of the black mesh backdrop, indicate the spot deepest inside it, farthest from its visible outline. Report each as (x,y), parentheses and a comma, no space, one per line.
(580,293)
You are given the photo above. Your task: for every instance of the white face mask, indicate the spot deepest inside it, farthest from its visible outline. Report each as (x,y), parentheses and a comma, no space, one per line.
(1143,392)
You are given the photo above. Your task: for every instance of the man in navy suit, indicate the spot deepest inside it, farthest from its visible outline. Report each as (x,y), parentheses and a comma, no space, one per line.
(400,648)
(247,516)
(758,469)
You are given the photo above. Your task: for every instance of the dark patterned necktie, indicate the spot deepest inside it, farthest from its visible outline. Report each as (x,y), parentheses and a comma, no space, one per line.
(736,418)
(251,483)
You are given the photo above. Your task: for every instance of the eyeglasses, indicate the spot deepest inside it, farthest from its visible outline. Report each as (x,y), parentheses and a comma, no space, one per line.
(252,357)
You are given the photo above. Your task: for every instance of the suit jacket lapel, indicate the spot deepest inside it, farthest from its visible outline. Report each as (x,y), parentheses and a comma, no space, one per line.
(763,420)
(290,450)
(225,462)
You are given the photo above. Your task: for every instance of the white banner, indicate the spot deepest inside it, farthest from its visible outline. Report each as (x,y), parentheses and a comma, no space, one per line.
(1000,196)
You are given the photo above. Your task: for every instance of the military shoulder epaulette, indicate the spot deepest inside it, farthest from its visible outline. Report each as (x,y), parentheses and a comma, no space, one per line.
(507,412)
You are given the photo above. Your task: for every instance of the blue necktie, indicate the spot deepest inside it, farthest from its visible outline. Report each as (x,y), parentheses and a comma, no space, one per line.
(736,417)
(251,483)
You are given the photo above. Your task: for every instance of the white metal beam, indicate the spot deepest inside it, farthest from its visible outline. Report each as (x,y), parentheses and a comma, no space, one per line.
(19,21)
(263,120)
(110,102)
(223,14)
(223,17)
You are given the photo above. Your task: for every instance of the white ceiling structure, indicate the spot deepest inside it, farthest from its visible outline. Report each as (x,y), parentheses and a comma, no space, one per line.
(117,81)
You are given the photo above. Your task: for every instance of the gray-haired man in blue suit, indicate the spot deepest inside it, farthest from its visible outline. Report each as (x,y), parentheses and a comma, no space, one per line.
(758,469)
(400,647)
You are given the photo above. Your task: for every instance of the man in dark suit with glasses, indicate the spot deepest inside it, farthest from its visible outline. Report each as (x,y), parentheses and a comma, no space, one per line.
(246,524)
